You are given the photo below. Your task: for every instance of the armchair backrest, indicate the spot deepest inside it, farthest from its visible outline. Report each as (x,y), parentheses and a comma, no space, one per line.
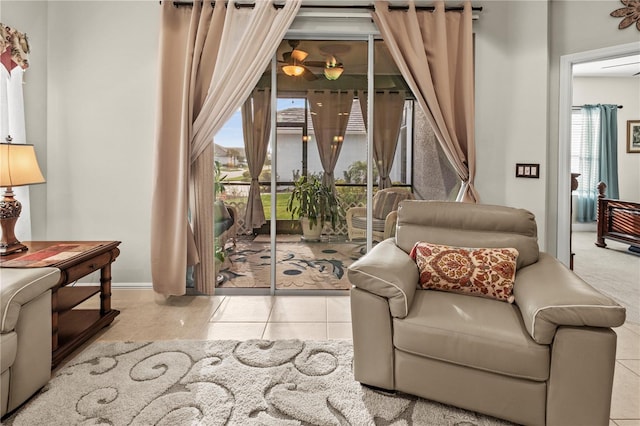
(386,200)
(468,225)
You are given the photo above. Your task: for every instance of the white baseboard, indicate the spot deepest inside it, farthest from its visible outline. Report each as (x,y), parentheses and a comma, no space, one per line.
(132,285)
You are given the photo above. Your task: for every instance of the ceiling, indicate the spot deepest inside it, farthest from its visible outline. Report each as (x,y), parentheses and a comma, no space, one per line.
(625,66)
(352,54)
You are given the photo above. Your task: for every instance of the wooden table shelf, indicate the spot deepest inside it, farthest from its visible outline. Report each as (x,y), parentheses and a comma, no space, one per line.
(70,297)
(72,327)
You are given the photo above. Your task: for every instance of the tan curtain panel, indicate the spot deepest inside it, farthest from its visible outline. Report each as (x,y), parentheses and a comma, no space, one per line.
(330,112)
(434,52)
(256,127)
(199,56)
(387,116)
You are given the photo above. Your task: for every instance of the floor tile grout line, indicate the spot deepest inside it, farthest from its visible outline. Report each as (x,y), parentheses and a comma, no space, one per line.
(264,330)
(627,368)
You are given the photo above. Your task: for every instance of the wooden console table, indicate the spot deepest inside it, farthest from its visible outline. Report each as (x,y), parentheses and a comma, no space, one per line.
(72,327)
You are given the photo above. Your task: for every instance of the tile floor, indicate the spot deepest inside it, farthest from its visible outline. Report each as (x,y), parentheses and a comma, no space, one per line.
(313,317)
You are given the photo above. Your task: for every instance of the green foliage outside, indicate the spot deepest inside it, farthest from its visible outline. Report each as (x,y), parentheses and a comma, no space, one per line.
(315,201)
(357,173)
(281,205)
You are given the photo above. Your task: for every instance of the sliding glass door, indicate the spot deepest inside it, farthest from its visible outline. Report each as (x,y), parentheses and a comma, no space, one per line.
(328,147)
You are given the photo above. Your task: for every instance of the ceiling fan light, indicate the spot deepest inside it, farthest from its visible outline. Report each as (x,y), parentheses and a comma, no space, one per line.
(333,73)
(299,55)
(293,70)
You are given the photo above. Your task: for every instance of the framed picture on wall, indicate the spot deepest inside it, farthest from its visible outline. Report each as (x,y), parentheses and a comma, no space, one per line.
(633,136)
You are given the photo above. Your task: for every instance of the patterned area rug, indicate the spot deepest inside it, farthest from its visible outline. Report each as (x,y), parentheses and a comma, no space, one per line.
(299,265)
(257,382)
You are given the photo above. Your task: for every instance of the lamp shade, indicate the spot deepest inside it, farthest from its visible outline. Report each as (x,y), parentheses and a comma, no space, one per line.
(19,165)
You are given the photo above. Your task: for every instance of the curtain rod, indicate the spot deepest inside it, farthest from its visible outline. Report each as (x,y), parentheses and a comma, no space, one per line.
(580,106)
(237,5)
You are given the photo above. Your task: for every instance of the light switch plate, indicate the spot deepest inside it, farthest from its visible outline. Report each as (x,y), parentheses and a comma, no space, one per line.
(528,170)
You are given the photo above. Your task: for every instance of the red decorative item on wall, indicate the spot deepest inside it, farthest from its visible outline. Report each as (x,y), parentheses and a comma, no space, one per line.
(14,48)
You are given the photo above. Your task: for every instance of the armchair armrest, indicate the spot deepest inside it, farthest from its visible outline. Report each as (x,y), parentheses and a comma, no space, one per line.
(356,211)
(389,272)
(19,286)
(549,295)
(390,224)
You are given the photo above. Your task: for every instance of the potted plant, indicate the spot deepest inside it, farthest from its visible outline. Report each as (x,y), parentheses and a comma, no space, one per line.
(315,204)
(219,260)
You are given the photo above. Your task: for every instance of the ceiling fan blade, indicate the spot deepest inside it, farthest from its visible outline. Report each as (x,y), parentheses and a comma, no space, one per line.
(638,73)
(308,75)
(315,64)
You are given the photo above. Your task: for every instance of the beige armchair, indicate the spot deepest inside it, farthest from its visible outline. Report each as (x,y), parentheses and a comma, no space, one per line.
(385,206)
(546,359)
(25,332)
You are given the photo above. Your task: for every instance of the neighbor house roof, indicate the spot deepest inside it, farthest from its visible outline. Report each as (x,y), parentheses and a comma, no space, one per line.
(296,115)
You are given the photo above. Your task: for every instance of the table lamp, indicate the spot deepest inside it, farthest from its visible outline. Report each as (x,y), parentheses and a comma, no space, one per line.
(18,166)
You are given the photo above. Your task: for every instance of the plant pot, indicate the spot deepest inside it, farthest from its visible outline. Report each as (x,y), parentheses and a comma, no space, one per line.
(308,233)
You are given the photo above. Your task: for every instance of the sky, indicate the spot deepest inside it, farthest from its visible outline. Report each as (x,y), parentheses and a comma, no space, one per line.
(230,135)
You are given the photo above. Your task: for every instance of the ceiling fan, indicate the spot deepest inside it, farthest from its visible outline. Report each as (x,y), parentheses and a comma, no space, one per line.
(295,64)
(624,65)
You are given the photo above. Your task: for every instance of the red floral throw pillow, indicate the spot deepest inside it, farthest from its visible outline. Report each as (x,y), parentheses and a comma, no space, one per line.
(484,272)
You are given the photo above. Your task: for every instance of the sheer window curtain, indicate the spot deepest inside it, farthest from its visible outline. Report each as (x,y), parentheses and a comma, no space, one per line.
(14,49)
(434,52)
(256,126)
(204,77)
(330,115)
(588,166)
(387,114)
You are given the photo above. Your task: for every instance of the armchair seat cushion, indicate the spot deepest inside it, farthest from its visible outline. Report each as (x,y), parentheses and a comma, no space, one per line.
(478,333)
(360,222)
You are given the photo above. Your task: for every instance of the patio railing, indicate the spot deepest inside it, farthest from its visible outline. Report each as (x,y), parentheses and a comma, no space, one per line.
(236,193)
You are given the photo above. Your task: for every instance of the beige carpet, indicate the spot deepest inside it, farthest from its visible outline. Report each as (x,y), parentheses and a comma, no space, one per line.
(299,264)
(255,382)
(613,270)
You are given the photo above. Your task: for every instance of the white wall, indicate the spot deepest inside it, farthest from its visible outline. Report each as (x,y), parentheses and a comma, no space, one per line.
(99,83)
(574,27)
(618,91)
(511,104)
(31,17)
(97,113)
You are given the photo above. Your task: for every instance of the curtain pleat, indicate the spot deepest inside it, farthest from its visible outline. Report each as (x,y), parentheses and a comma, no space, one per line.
(170,229)
(330,112)
(608,143)
(256,126)
(204,77)
(434,52)
(249,40)
(387,114)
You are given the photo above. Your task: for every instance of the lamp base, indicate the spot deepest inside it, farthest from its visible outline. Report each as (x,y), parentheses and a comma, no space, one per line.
(8,249)
(10,209)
